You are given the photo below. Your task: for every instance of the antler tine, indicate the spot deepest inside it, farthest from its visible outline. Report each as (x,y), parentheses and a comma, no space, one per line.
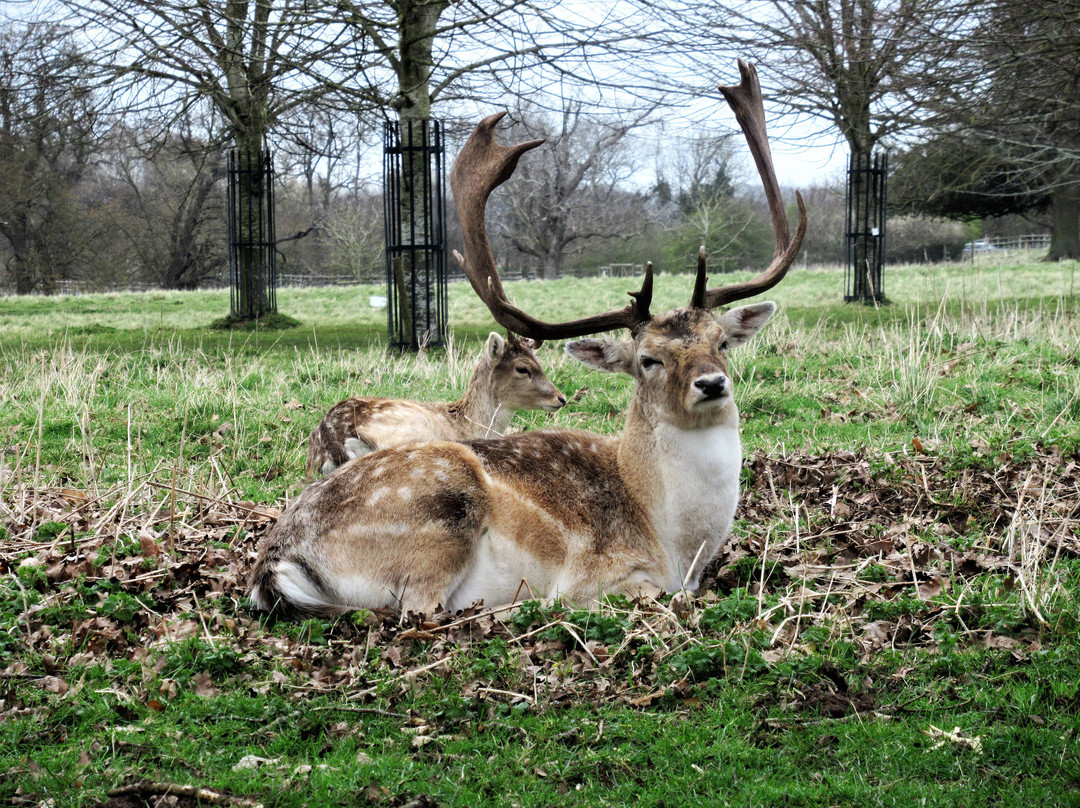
(643,297)
(697,300)
(481,167)
(746,102)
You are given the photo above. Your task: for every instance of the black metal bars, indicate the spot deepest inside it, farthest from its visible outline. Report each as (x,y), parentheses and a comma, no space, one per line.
(865,233)
(252,238)
(414,203)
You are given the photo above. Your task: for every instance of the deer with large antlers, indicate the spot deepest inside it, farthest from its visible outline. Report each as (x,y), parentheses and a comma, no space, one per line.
(550,513)
(507,377)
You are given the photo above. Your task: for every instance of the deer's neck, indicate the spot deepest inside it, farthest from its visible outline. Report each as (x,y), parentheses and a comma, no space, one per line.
(478,413)
(688,481)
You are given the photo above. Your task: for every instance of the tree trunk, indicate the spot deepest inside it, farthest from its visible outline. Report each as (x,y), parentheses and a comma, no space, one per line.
(864,228)
(23,271)
(856,208)
(252,283)
(551,266)
(1065,223)
(23,265)
(418,292)
(417,24)
(183,270)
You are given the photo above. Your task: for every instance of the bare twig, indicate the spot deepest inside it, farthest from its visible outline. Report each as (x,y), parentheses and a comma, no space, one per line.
(205,795)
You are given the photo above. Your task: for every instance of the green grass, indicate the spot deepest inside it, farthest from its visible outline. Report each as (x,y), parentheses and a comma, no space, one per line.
(594,757)
(895,622)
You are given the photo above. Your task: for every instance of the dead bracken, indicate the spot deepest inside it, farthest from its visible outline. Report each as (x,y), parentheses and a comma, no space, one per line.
(829,547)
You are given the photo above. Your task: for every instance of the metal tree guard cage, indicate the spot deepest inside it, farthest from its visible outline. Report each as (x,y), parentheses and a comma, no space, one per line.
(414,206)
(252,237)
(865,233)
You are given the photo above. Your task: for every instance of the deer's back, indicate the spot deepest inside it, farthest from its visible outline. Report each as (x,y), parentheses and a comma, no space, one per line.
(569,476)
(377,423)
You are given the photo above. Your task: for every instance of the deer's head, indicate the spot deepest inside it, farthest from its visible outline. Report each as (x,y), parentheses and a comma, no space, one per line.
(678,358)
(518,382)
(680,362)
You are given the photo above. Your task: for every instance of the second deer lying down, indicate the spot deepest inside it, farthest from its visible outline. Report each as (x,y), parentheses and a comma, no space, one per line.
(552,512)
(507,378)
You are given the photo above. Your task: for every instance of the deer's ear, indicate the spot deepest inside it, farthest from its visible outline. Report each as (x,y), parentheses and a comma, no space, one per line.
(603,354)
(741,323)
(495,345)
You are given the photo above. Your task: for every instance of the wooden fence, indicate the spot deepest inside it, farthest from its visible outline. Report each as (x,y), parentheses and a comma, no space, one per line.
(1033,241)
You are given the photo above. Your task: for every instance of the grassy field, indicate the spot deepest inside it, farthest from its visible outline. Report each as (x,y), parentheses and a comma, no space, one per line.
(896,620)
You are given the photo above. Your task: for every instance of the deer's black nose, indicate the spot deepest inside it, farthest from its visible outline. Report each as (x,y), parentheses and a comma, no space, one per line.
(712,386)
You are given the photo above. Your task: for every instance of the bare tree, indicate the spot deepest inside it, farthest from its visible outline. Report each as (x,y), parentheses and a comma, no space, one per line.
(50,119)
(855,67)
(708,210)
(1014,118)
(436,50)
(428,52)
(327,149)
(172,195)
(353,231)
(968,174)
(861,68)
(567,194)
(702,169)
(253,63)
(323,165)
(824,243)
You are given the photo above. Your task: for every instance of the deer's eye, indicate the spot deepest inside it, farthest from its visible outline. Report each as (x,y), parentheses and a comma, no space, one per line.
(648,362)
(723,345)
(522,370)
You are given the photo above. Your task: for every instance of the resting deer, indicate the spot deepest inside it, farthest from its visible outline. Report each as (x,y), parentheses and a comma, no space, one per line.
(549,513)
(507,378)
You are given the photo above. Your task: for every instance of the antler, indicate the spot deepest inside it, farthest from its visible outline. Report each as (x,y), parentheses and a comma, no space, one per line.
(481,167)
(745,101)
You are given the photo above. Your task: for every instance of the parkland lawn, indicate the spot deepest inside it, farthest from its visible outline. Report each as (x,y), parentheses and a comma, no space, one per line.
(895,620)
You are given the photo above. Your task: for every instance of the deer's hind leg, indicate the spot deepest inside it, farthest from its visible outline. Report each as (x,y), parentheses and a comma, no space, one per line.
(443,549)
(411,532)
(357,447)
